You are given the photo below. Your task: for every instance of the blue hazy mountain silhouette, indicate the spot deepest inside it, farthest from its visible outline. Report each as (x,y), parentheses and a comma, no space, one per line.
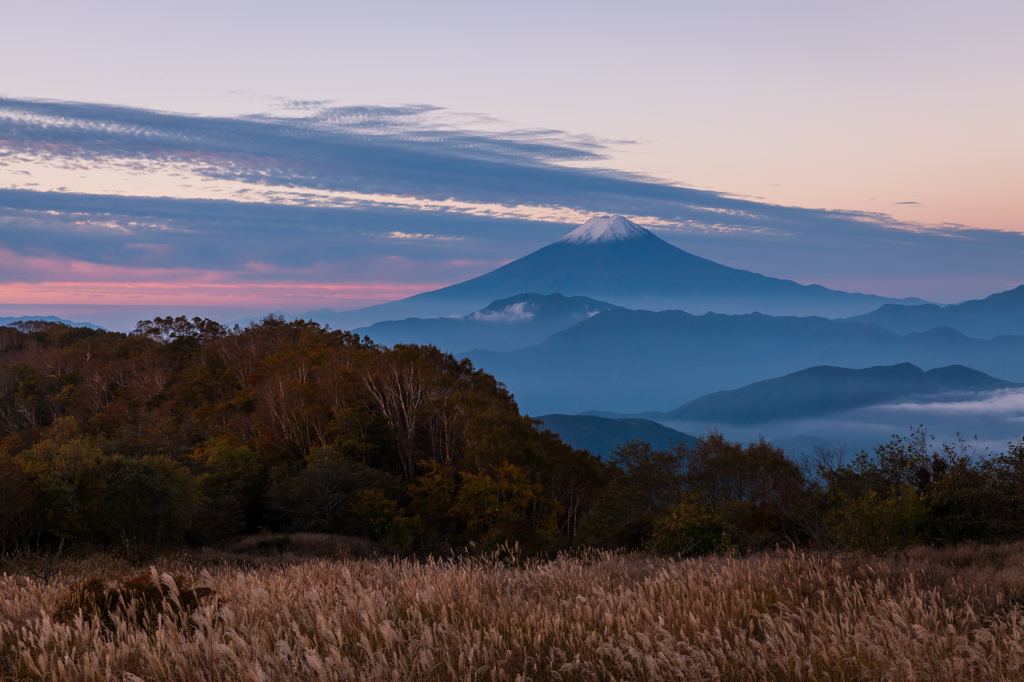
(630,361)
(612,259)
(824,390)
(504,325)
(46,318)
(996,315)
(600,435)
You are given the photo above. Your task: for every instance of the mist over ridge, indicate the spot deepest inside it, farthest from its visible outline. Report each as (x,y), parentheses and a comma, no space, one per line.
(996,315)
(622,359)
(506,324)
(823,390)
(615,260)
(638,361)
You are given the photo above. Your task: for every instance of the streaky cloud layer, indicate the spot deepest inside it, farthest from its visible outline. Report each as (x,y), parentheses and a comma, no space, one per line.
(303,210)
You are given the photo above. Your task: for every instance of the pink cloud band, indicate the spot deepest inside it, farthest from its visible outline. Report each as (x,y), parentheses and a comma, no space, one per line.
(38,280)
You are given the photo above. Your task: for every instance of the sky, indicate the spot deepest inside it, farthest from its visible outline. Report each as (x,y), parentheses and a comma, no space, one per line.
(308,155)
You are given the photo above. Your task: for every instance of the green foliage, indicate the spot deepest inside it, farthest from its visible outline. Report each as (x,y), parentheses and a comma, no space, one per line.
(186,430)
(873,522)
(55,511)
(148,501)
(645,483)
(320,498)
(505,508)
(432,496)
(387,522)
(690,529)
(484,510)
(962,505)
(278,425)
(16,497)
(1004,475)
(755,488)
(61,467)
(958,494)
(230,485)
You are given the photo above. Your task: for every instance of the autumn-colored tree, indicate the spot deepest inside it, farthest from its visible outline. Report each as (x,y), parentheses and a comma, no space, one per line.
(150,500)
(16,495)
(505,508)
(754,487)
(691,528)
(644,484)
(291,425)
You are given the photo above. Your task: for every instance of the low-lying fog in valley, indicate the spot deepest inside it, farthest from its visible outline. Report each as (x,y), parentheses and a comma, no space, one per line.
(995,417)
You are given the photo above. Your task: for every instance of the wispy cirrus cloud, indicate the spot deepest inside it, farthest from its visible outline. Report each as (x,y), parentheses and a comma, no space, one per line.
(310,182)
(419,236)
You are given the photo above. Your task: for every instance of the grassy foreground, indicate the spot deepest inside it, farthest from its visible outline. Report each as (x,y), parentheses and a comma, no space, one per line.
(926,614)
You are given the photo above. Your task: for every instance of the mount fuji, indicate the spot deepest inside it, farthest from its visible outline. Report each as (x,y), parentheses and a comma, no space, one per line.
(613,259)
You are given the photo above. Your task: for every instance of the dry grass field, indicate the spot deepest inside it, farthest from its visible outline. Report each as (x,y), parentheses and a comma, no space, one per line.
(926,614)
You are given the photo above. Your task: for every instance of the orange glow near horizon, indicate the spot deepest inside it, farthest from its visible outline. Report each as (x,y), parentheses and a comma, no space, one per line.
(277,294)
(91,283)
(57,281)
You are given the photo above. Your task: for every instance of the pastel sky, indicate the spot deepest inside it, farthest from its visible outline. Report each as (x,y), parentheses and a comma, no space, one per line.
(311,154)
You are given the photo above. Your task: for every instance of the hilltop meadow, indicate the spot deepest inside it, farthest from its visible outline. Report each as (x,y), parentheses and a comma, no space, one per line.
(927,614)
(285,501)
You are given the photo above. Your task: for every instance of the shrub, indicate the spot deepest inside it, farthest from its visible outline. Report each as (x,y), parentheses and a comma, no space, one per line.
(139,598)
(148,501)
(388,522)
(506,508)
(872,522)
(690,529)
(320,498)
(644,484)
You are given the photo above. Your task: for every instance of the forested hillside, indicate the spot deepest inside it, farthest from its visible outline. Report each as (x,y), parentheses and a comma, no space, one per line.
(185,431)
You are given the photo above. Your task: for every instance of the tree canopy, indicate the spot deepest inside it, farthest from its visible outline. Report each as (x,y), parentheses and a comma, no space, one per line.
(186,431)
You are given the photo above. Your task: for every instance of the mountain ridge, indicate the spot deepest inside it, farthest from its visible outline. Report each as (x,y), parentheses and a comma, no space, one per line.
(504,325)
(634,362)
(601,435)
(641,271)
(823,390)
(47,318)
(1000,314)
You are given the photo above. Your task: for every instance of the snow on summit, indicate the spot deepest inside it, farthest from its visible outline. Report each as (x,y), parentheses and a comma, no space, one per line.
(604,229)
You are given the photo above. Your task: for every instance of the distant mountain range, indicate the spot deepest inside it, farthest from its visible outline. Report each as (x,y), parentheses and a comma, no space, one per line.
(820,391)
(600,435)
(612,259)
(631,361)
(46,318)
(999,314)
(504,325)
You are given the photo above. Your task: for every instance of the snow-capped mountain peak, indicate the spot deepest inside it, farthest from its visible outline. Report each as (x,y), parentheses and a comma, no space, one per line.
(605,229)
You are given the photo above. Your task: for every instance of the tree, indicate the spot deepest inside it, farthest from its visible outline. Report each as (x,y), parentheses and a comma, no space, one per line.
(755,487)
(16,496)
(691,528)
(150,501)
(181,333)
(872,522)
(644,484)
(322,496)
(505,508)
